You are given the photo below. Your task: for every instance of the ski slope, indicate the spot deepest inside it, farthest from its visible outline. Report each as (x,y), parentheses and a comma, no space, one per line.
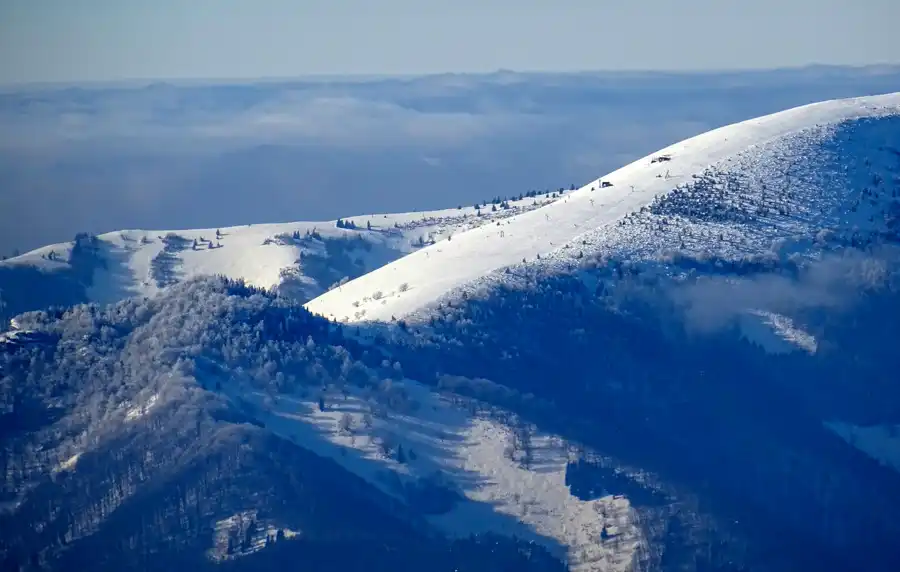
(404,286)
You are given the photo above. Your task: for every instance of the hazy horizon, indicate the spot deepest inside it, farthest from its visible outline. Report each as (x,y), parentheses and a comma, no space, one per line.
(206,154)
(350,78)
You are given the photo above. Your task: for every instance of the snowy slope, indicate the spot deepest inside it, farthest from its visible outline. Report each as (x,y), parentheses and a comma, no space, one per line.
(881,442)
(445,444)
(265,255)
(768,154)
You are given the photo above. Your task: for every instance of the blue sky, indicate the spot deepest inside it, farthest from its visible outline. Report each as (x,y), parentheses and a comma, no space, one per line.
(81,40)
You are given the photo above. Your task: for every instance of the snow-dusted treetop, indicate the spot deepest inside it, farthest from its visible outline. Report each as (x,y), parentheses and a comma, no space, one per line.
(421,278)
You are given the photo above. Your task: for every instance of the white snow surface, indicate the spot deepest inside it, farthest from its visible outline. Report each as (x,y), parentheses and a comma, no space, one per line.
(775,333)
(466,449)
(69,463)
(137,411)
(418,280)
(254,254)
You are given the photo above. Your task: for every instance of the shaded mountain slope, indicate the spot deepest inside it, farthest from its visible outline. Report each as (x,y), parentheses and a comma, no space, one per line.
(120,452)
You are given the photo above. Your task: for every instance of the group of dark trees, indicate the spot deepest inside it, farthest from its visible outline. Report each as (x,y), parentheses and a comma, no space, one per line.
(197,243)
(503,202)
(349,224)
(307,238)
(497,205)
(164,266)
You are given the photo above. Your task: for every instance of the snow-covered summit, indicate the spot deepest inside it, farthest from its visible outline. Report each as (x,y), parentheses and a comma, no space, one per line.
(797,156)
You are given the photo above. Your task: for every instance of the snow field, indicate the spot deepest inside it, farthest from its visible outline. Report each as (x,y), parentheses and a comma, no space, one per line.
(249,252)
(445,443)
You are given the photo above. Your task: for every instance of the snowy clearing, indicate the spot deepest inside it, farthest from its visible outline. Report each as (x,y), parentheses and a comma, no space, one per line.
(138,411)
(427,443)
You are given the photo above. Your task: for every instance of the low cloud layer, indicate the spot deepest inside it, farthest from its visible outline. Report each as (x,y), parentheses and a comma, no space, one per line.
(187,155)
(834,283)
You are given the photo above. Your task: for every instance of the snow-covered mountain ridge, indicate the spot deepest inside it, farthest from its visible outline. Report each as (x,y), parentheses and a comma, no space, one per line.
(301,259)
(782,180)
